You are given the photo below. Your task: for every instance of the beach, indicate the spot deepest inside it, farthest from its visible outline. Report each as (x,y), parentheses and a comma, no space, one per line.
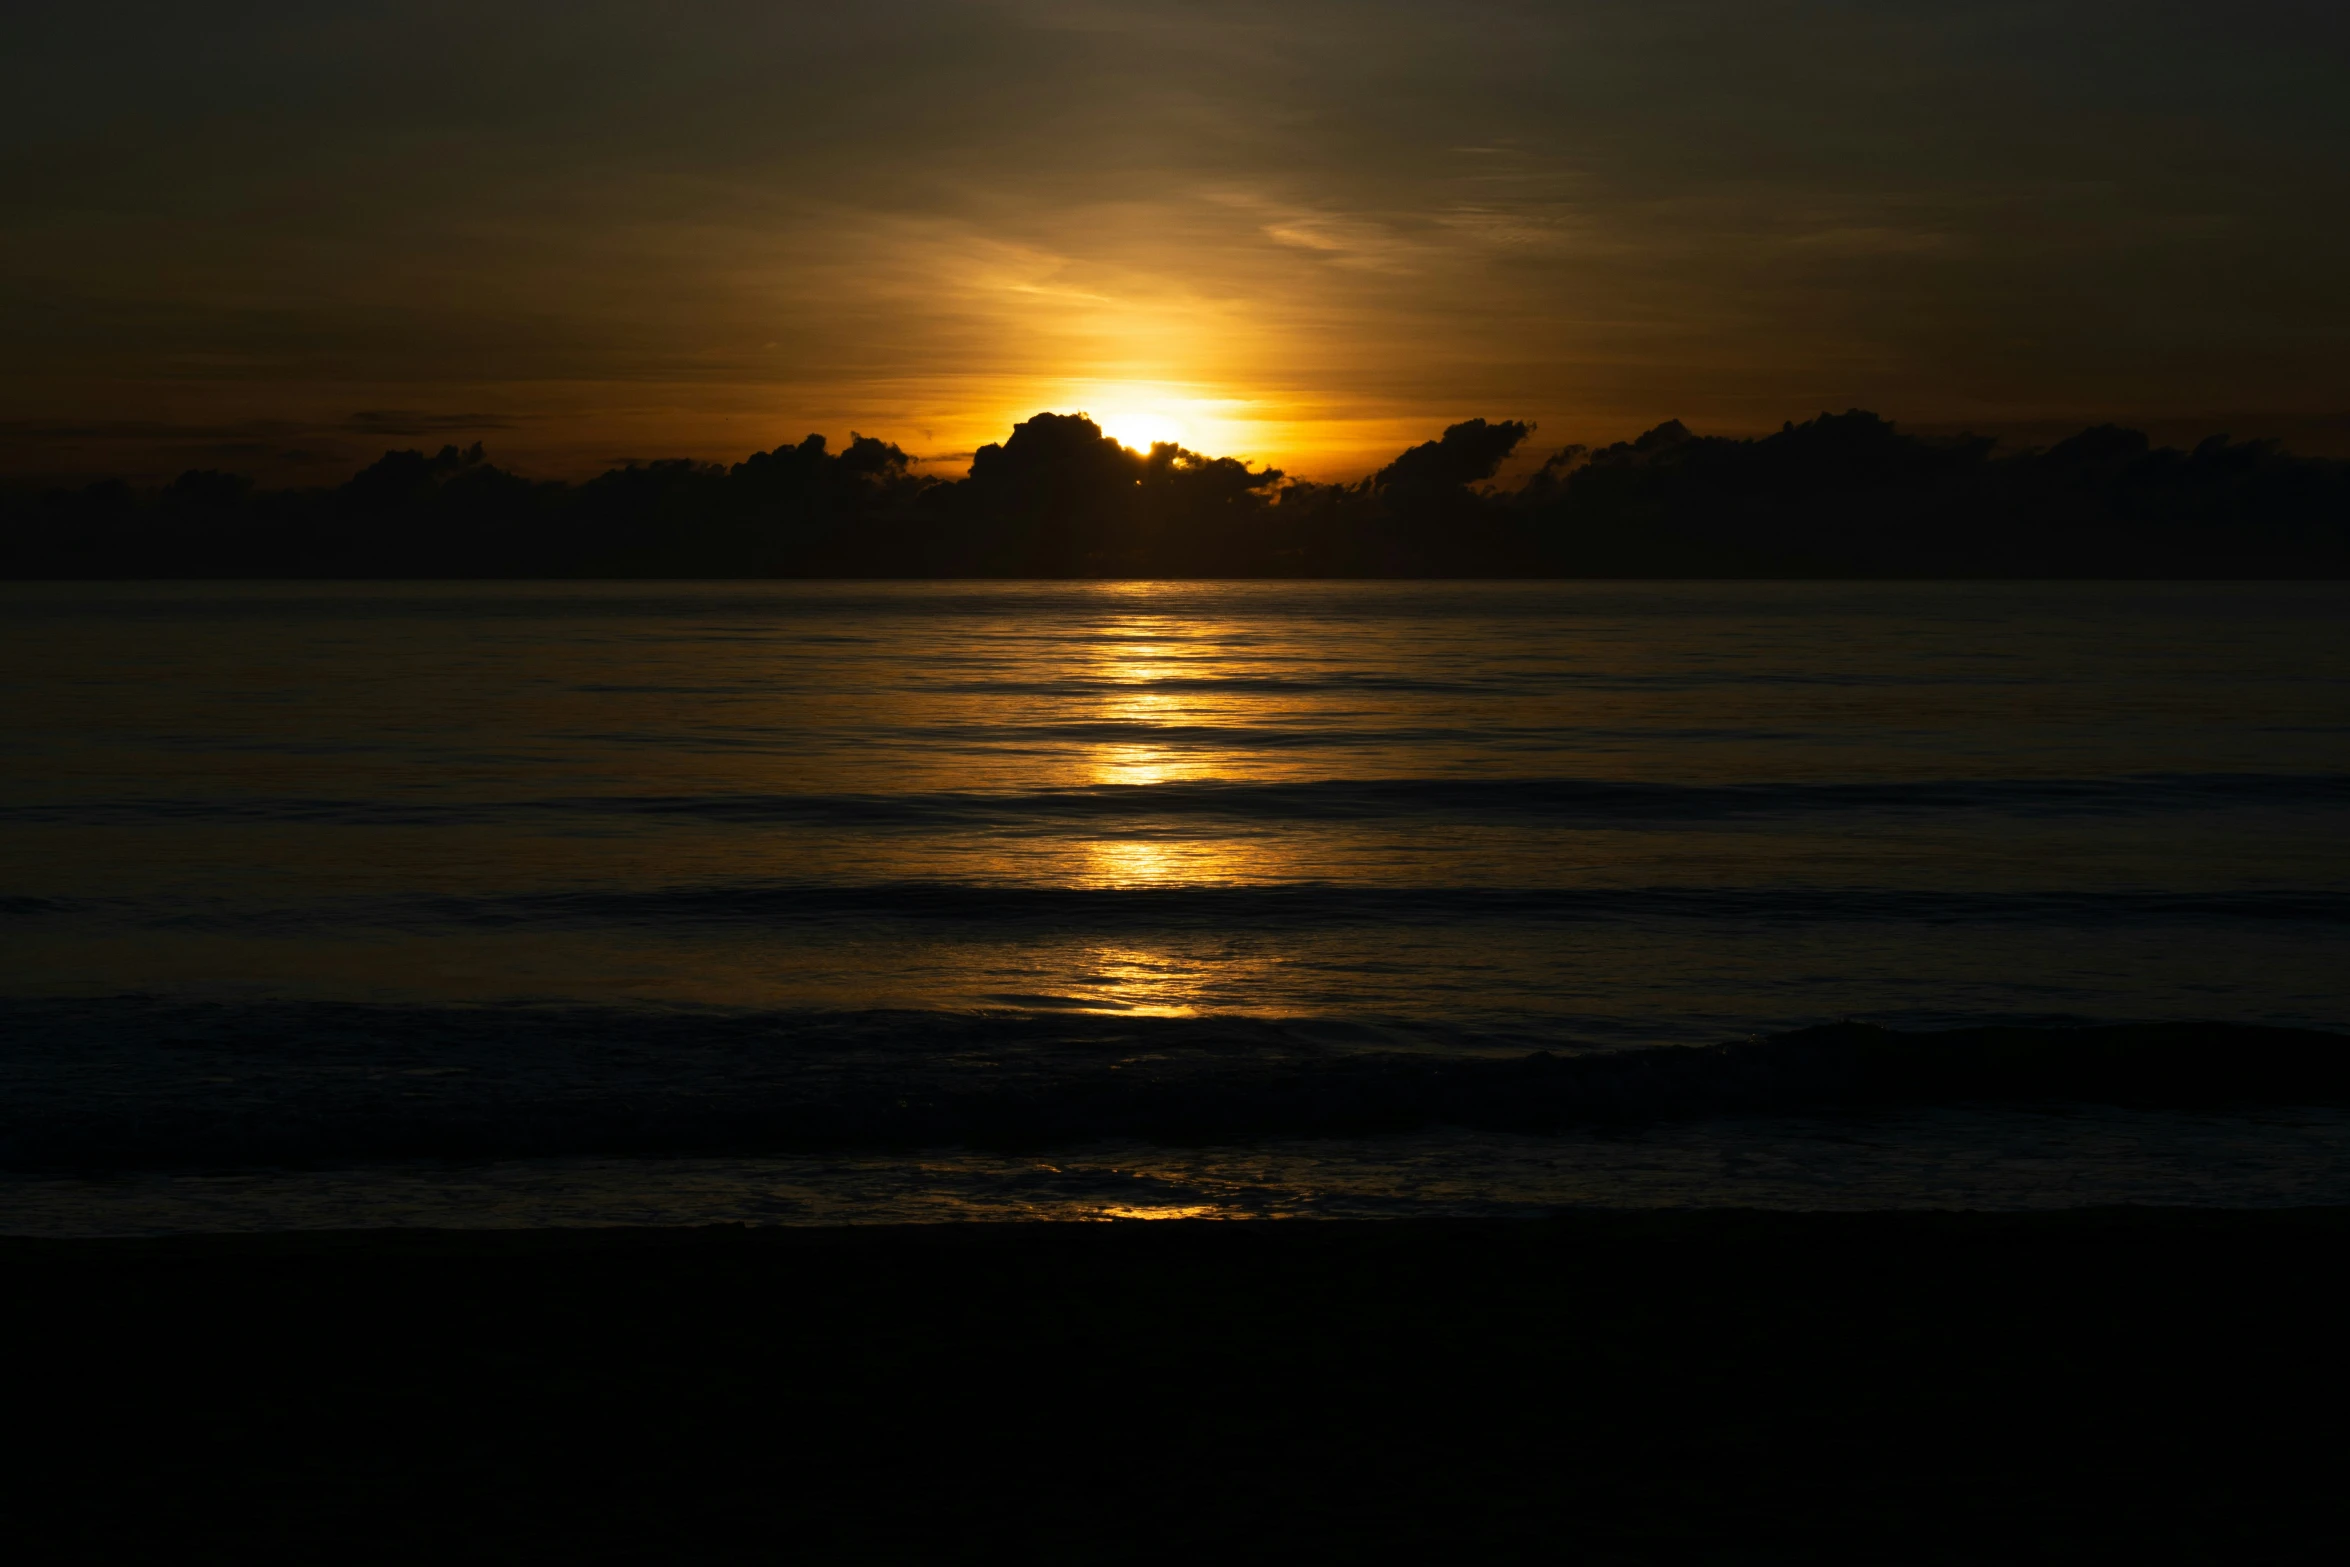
(1688,1386)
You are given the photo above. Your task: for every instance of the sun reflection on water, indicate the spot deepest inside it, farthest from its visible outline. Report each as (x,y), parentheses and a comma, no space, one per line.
(1157,723)
(1131,862)
(1119,763)
(1142,983)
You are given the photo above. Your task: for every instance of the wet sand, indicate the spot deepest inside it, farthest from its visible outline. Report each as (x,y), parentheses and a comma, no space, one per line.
(1716,1387)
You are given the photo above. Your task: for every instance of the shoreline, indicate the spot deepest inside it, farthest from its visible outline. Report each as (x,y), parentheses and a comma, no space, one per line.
(1711,1224)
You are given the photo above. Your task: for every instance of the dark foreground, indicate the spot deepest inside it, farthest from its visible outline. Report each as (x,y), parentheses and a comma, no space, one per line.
(1600,1388)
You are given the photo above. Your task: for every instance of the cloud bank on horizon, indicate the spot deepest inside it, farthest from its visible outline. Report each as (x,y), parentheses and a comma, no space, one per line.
(276,236)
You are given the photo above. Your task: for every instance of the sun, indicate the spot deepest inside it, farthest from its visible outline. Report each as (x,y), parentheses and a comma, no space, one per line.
(1140,428)
(1140,414)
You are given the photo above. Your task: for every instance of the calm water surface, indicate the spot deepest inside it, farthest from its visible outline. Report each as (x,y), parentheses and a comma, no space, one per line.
(272,847)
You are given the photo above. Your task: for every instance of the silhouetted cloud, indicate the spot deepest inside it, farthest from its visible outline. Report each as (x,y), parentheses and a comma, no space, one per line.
(1838,495)
(1466,454)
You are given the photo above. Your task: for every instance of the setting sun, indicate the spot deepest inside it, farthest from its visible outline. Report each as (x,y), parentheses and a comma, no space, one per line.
(1141,428)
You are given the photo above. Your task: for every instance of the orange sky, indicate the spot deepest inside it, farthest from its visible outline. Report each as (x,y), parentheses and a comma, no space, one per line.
(279,238)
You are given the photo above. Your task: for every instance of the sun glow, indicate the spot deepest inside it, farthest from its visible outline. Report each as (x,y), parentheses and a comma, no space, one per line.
(1139,414)
(1141,428)
(1211,418)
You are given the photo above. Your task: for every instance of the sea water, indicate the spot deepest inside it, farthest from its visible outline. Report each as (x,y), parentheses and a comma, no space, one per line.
(602,902)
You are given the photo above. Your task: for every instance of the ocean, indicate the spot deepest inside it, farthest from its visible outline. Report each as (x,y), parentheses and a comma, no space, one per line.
(511,904)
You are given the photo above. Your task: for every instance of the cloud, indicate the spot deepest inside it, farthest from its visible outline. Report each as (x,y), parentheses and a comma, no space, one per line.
(1348,242)
(146,430)
(400,421)
(702,227)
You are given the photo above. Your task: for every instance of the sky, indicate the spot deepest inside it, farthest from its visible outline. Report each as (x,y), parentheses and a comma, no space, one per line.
(279,238)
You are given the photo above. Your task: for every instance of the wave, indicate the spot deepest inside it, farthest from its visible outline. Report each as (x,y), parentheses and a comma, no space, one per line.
(22,908)
(1544,679)
(137,1083)
(1029,911)
(1599,802)
(1243,685)
(1293,905)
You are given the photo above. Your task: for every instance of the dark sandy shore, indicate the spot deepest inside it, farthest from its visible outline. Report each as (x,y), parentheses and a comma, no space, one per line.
(1708,1387)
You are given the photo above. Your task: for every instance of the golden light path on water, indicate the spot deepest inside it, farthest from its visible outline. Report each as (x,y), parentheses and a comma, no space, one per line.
(1619,811)
(1138,657)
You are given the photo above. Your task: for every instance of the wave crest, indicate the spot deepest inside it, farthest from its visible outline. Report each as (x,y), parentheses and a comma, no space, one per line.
(131,1083)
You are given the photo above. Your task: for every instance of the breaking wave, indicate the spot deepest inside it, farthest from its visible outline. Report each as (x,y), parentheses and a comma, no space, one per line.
(1597,802)
(130,1082)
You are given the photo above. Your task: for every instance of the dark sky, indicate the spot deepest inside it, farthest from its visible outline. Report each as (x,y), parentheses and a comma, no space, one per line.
(282,236)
